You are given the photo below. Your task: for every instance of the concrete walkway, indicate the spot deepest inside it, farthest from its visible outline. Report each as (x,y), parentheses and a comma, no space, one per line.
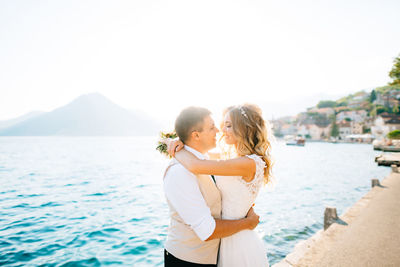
(370,238)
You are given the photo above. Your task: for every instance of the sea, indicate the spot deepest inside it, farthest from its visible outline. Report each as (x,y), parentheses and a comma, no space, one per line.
(94,201)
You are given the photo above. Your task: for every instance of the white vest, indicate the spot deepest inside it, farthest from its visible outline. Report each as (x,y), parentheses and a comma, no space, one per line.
(182,241)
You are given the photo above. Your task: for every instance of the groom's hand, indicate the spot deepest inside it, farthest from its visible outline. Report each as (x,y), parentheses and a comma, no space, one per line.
(252,218)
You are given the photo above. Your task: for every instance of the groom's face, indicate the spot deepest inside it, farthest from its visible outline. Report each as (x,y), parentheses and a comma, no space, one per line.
(208,136)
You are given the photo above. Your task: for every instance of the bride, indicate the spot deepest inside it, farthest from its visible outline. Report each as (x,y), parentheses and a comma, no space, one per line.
(239,178)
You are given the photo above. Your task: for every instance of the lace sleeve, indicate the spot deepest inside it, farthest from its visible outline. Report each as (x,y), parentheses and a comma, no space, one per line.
(255,184)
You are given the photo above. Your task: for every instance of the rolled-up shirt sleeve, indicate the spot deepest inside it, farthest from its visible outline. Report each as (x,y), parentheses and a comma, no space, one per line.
(182,191)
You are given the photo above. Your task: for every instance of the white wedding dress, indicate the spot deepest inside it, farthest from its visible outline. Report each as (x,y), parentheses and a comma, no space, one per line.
(245,248)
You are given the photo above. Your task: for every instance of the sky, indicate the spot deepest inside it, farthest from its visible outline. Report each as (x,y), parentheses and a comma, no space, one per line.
(161,56)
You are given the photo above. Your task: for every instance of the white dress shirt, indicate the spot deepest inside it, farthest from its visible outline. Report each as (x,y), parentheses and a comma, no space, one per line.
(182,191)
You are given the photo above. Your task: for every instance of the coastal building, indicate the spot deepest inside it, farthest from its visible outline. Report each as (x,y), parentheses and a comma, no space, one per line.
(379,129)
(284,126)
(356,128)
(342,108)
(369,122)
(326,111)
(303,130)
(357,116)
(344,129)
(288,129)
(326,131)
(389,99)
(387,116)
(393,124)
(355,103)
(313,131)
(359,100)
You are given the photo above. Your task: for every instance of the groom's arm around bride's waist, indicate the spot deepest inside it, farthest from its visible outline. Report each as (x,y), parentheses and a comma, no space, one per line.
(183,193)
(224,228)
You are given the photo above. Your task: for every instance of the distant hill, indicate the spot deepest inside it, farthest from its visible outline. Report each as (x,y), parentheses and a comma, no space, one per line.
(8,123)
(88,115)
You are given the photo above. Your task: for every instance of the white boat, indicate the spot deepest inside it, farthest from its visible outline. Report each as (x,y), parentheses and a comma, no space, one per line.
(292,140)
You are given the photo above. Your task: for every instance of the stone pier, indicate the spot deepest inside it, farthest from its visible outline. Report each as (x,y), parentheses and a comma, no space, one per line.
(368,235)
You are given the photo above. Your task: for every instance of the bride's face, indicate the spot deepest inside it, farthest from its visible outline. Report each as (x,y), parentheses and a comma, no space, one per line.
(227,130)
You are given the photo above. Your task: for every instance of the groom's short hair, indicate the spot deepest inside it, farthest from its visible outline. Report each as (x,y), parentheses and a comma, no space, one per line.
(190,119)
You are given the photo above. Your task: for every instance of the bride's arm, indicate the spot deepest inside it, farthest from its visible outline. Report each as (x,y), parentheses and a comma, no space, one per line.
(242,166)
(214,155)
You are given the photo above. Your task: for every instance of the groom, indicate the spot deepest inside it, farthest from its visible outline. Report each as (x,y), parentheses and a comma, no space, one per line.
(194,201)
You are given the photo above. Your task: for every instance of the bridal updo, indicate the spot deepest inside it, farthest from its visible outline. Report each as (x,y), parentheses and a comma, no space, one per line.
(252,134)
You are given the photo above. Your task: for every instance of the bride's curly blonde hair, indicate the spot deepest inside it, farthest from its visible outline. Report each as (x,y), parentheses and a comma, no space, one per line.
(252,134)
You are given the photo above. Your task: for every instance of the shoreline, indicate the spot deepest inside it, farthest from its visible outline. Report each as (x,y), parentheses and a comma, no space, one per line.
(333,247)
(326,141)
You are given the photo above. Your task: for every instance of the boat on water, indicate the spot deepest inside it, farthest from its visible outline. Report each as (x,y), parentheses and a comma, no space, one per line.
(292,140)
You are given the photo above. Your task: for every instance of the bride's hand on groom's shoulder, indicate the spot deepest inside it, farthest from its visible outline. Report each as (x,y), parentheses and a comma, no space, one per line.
(174,146)
(252,218)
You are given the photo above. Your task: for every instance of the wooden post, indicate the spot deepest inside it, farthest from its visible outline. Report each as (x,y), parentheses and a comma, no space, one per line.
(394,168)
(375,182)
(330,216)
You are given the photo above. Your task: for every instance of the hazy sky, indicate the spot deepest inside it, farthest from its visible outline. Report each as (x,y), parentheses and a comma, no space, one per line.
(159,56)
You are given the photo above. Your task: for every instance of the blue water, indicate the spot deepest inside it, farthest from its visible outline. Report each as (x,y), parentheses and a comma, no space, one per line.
(91,201)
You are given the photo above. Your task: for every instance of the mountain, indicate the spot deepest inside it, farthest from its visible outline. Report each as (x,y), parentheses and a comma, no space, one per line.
(88,115)
(8,123)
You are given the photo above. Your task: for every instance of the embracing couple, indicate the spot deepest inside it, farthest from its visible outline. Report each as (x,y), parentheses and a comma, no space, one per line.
(210,196)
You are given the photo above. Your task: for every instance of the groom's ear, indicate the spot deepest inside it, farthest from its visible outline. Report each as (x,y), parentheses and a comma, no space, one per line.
(195,135)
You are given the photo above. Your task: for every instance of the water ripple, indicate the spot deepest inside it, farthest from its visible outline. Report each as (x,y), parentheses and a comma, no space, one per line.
(14,257)
(29,195)
(83,263)
(135,250)
(49,250)
(77,242)
(49,204)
